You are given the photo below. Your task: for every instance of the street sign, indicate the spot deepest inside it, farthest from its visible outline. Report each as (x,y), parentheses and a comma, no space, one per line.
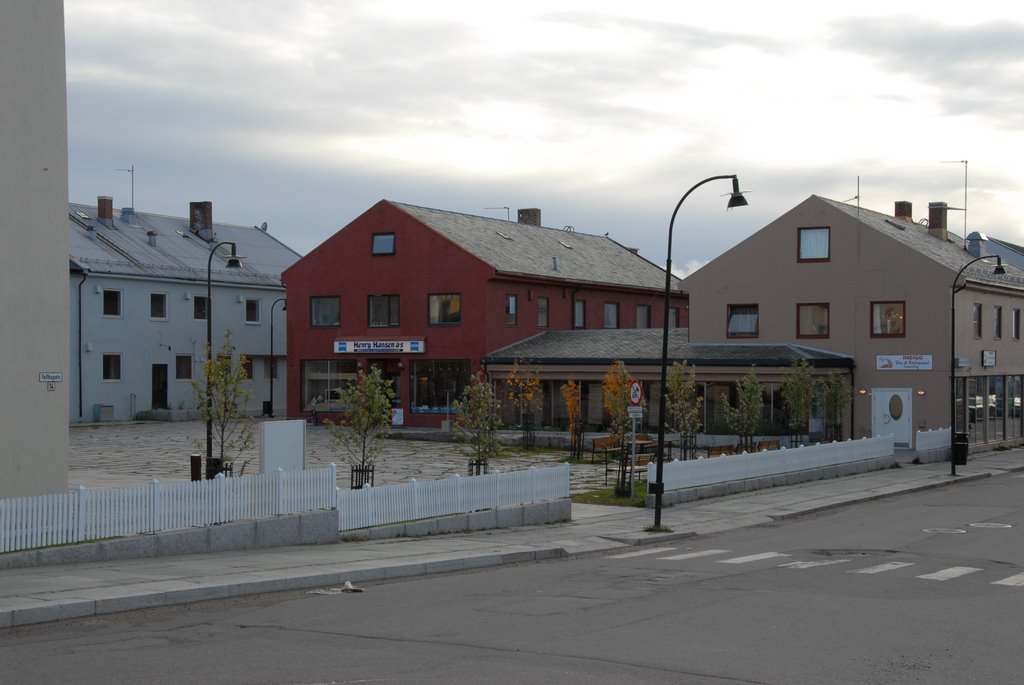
(636,394)
(635,412)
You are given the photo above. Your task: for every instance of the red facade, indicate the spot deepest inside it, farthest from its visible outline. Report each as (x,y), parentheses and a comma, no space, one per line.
(428,273)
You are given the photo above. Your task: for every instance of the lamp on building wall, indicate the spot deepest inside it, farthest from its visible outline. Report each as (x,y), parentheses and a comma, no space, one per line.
(273,360)
(233,262)
(998,270)
(736,199)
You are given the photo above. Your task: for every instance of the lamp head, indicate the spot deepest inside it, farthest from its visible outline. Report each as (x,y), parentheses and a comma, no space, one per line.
(999,270)
(736,198)
(234,261)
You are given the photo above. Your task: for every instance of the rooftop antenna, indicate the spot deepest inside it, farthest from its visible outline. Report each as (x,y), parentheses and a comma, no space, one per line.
(964,162)
(132,172)
(508,214)
(856,197)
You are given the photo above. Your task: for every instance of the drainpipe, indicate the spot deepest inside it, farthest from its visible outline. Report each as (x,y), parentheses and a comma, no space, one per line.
(79,355)
(853,402)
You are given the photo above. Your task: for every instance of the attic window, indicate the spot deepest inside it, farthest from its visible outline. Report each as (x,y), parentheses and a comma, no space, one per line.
(82,215)
(504,235)
(565,245)
(182,234)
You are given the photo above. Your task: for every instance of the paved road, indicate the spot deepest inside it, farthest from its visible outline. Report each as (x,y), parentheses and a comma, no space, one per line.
(113,455)
(879,592)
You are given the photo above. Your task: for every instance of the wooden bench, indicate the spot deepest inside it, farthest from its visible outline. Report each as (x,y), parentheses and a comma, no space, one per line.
(605,446)
(768,445)
(642,460)
(721,450)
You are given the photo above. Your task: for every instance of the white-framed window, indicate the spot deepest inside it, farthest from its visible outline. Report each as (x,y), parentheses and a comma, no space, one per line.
(158,306)
(252,311)
(743,321)
(111,367)
(112,303)
(813,244)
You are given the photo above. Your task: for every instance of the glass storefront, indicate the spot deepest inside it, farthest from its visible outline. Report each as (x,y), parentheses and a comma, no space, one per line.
(321,381)
(437,383)
(991,407)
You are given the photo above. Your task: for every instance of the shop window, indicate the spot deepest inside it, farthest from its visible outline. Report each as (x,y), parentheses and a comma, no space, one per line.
(321,382)
(437,383)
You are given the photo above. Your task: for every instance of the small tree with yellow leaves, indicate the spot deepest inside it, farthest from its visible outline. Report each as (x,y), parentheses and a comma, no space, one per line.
(523,389)
(573,401)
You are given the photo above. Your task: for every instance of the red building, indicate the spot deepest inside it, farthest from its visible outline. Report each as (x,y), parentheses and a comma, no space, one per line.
(425,294)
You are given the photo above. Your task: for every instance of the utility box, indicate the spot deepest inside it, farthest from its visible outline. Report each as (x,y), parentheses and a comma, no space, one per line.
(960,449)
(102,412)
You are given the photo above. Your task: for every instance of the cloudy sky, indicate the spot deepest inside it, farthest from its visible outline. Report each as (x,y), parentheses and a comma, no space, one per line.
(304,113)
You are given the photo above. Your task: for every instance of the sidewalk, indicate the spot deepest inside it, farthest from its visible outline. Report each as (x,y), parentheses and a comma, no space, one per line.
(37,595)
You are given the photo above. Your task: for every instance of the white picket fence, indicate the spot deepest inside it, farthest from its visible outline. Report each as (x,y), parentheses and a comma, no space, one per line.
(932,440)
(80,515)
(424,499)
(698,472)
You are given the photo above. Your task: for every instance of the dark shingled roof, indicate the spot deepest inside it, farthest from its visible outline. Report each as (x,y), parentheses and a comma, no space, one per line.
(642,346)
(527,250)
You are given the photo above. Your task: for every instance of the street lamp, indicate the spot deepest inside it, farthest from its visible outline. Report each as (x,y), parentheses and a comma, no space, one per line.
(233,262)
(273,361)
(736,199)
(954,289)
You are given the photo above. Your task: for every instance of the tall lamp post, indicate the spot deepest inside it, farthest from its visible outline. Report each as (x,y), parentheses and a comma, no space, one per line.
(233,262)
(273,360)
(998,271)
(736,199)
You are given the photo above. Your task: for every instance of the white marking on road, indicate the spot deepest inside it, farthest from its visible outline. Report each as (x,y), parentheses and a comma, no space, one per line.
(813,564)
(641,553)
(950,573)
(694,555)
(991,525)
(944,531)
(752,557)
(1017,580)
(882,568)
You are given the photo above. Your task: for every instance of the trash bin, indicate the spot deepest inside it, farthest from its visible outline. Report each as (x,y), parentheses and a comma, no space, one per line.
(213,467)
(960,449)
(195,465)
(267,409)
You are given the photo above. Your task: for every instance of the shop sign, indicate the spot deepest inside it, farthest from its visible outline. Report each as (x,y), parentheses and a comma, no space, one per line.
(903,362)
(988,357)
(380,346)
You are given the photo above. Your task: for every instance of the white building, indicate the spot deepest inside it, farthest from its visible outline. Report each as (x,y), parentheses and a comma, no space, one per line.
(138,297)
(33,202)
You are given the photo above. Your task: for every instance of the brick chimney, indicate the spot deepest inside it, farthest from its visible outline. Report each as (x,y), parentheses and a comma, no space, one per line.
(529,216)
(904,211)
(937,220)
(105,210)
(200,219)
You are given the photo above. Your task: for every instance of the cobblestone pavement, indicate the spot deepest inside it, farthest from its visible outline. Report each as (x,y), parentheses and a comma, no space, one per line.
(115,455)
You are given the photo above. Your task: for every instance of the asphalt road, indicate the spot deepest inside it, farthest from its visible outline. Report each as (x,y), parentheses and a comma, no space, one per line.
(922,588)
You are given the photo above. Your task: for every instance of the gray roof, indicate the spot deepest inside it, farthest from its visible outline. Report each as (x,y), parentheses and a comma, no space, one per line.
(949,253)
(523,249)
(124,249)
(642,346)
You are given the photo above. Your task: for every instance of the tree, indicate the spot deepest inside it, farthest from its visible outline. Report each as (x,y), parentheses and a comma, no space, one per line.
(221,394)
(365,418)
(745,418)
(572,399)
(682,404)
(836,397)
(797,391)
(615,390)
(523,389)
(477,419)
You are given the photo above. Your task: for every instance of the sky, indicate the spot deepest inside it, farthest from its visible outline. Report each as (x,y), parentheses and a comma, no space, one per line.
(305,113)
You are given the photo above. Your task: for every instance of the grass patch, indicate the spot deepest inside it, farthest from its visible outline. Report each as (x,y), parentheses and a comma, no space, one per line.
(608,497)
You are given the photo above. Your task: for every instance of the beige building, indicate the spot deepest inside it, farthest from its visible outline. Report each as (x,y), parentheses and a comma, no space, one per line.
(34,262)
(877,288)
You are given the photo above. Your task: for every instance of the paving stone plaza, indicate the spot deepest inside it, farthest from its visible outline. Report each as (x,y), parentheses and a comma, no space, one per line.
(108,455)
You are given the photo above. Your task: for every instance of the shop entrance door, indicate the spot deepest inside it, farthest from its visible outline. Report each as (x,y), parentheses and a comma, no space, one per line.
(891,414)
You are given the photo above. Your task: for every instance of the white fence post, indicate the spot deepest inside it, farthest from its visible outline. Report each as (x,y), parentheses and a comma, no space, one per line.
(279,485)
(415,499)
(155,514)
(80,506)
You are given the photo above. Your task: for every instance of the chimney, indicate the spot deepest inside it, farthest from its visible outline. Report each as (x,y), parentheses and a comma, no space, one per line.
(976,244)
(529,216)
(105,210)
(151,235)
(937,220)
(128,215)
(200,219)
(905,211)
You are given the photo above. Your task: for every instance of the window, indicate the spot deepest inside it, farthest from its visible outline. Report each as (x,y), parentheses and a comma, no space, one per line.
(444,309)
(199,307)
(542,312)
(158,305)
(673,317)
(436,383)
(579,314)
(511,305)
(813,245)
(320,383)
(183,367)
(611,314)
(383,243)
(252,311)
(247,367)
(997,322)
(324,311)
(742,321)
(383,311)
(812,320)
(888,320)
(976,320)
(111,367)
(1015,324)
(111,303)
(643,316)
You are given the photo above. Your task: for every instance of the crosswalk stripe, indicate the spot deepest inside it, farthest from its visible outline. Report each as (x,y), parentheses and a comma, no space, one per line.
(1017,580)
(882,568)
(641,553)
(949,573)
(812,564)
(694,555)
(753,557)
